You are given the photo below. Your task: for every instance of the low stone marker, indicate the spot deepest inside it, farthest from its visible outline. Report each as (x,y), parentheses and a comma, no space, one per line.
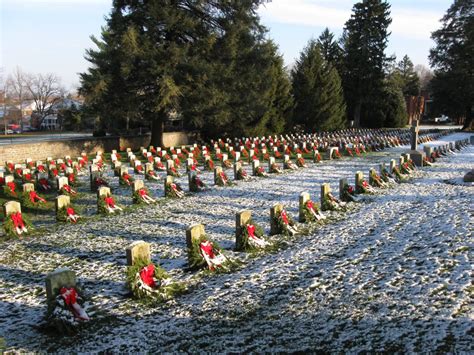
(325,190)
(103,191)
(342,186)
(242,218)
(58,279)
(117,168)
(136,251)
(138,184)
(330,152)
(304,197)
(62,201)
(62,180)
(11,207)
(237,167)
(28,187)
(359,178)
(193,232)
(274,212)
(255,166)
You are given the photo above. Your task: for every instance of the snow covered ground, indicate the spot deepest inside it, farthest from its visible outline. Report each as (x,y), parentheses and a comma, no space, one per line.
(392,274)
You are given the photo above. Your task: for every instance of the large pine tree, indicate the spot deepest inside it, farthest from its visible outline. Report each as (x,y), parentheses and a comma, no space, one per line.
(453,60)
(406,77)
(317,90)
(365,40)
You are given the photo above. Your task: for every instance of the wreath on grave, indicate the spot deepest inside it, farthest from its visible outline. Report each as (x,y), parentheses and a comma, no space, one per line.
(142,195)
(44,184)
(277,154)
(349,152)
(31,199)
(311,212)
(275,169)
(405,169)
(336,154)
(348,194)
(53,172)
(138,169)
(106,205)
(177,162)
(285,223)
(99,182)
(27,178)
(72,180)
(18,173)
(331,203)
(251,237)
(126,179)
(411,164)
(222,179)
(364,188)
(197,183)
(69,311)
(399,177)
(290,165)
(172,171)
(151,175)
(68,191)
(159,165)
(300,162)
(174,190)
(148,281)
(67,214)
(242,175)
(317,157)
(17,225)
(10,189)
(227,164)
(427,162)
(205,253)
(10,167)
(375,180)
(387,177)
(260,172)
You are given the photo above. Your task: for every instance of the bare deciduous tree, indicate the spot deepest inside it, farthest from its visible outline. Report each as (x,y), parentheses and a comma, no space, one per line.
(425,75)
(45,90)
(16,84)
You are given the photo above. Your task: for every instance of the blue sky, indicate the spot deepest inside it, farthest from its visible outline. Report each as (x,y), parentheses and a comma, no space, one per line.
(43,36)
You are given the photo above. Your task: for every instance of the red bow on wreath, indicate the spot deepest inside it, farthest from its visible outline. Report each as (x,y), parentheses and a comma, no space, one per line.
(310,205)
(11,185)
(17,220)
(208,249)
(34,196)
(109,201)
(146,275)
(142,192)
(284,217)
(251,230)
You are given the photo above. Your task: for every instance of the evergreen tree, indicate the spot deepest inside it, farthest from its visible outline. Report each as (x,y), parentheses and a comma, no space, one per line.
(365,39)
(329,47)
(453,60)
(408,79)
(317,90)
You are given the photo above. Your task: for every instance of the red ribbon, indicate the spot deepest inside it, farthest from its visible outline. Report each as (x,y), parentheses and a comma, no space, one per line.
(223,177)
(17,220)
(142,192)
(207,248)
(34,196)
(251,231)
(310,205)
(28,177)
(284,217)
(350,189)
(11,185)
(69,295)
(109,201)
(71,178)
(146,275)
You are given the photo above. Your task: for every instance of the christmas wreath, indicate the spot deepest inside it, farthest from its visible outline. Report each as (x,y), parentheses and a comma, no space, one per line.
(222,179)
(348,194)
(172,171)
(10,189)
(290,165)
(69,311)
(31,199)
(126,179)
(43,184)
(300,162)
(205,253)
(17,225)
(151,175)
(209,165)
(364,188)
(331,203)
(98,182)
(275,169)
(251,238)
(285,223)
(174,190)
(107,205)
(68,191)
(148,281)
(67,214)
(197,184)
(311,212)
(375,180)
(242,175)
(142,196)
(260,171)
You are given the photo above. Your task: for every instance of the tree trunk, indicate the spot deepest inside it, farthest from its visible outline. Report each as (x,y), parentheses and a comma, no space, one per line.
(157,128)
(468,122)
(357,110)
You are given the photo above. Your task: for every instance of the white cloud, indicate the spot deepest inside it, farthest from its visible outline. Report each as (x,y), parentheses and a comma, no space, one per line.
(406,22)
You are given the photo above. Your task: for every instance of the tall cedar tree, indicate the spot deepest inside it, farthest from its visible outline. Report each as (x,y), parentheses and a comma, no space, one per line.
(247,82)
(204,60)
(453,60)
(317,90)
(365,39)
